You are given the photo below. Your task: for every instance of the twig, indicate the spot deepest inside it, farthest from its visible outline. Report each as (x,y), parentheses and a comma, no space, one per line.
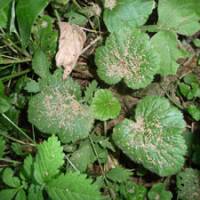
(91,44)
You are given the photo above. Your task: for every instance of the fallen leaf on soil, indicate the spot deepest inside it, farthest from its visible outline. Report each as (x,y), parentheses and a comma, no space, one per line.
(71,42)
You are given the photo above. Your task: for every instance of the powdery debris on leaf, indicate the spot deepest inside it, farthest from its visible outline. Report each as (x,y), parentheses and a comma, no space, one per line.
(71,42)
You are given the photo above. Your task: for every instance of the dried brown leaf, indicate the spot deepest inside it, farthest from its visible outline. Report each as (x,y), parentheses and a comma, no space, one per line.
(71,42)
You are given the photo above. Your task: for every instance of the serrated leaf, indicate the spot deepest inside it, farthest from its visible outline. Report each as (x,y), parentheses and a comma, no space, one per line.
(27,169)
(89,92)
(48,160)
(132,191)
(56,110)
(4,105)
(2,146)
(9,178)
(26,12)
(127,55)
(122,13)
(155,139)
(35,192)
(45,36)
(183,18)
(72,186)
(82,157)
(41,64)
(119,174)
(21,195)
(8,194)
(194,111)
(105,105)
(166,44)
(188,184)
(158,192)
(196,42)
(32,86)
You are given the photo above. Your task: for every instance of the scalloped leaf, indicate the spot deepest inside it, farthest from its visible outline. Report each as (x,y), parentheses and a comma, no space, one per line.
(72,186)
(188,184)
(132,191)
(127,55)
(166,43)
(155,139)
(9,178)
(56,110)
(119,174)
(8,194)
(122,13)
(35,192)
(159,192)
(49,159)
(184,16)
(104,105)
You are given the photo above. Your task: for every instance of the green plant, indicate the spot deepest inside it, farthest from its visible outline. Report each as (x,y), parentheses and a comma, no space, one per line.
(104,105)
(188,184)
(127,55)
(155,138)
(124,122)
(158,192)
(57,109)
(43,173)
(190,89)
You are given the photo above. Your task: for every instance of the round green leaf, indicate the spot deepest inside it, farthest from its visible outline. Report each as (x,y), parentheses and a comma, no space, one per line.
(183,18)
(159,192)
(122,13)
(104,105)
(188,184)
(56,110)
(155,139)
(127,55)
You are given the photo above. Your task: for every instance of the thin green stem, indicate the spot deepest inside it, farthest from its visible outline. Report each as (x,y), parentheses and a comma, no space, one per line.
(10,161)
(5,67)
(73,166)
(17,127)
(14,61)
(76,4)
(6,78)
(57,16)
(16,140)
(101,168)
(105,127)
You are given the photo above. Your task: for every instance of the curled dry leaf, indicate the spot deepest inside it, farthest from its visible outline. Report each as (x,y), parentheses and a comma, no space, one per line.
(71,42)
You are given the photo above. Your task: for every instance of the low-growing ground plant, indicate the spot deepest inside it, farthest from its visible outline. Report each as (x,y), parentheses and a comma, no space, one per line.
(99,99)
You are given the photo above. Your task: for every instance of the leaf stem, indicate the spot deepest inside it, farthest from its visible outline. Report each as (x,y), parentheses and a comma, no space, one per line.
(101,168)
(14,61)
(16,140)
(6,78)
(105,127)
(70,162)
(17,127)
(11,161)
(76,4)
